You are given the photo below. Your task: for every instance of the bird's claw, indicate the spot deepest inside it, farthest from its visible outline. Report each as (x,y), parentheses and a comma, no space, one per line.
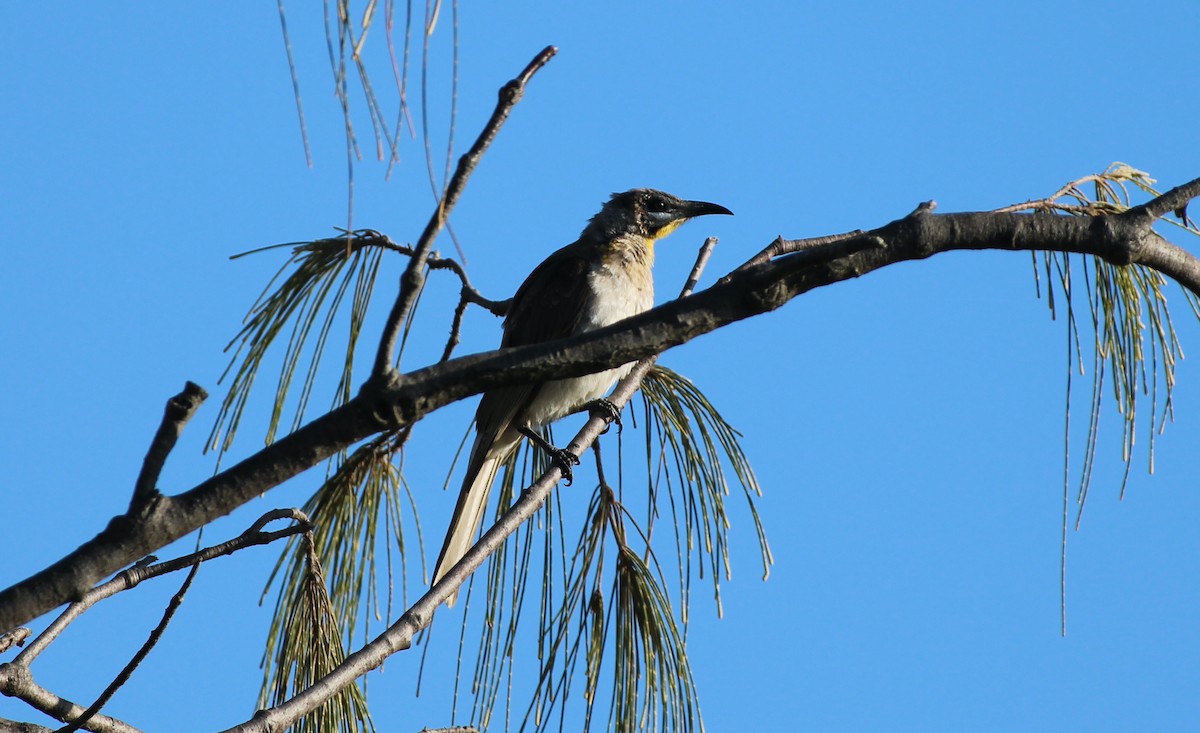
(606,409)
(564,459)
(560,457)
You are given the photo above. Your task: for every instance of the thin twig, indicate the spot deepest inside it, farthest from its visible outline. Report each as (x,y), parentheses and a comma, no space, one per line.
(144,570)
(702,256)
(414,278)
(783,246)
(455,327)
(360,238)
(601,479)
(180,409)
(124,675)
(467,296)
(373,238)
(1050,202)
(16,637)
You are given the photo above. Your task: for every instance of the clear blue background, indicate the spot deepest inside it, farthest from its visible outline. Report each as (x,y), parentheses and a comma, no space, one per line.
(907,427)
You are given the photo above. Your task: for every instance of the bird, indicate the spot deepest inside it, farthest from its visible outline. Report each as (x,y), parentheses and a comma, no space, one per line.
(599,279)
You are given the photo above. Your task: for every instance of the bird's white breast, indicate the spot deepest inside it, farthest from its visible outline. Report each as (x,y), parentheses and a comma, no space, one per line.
(621,292)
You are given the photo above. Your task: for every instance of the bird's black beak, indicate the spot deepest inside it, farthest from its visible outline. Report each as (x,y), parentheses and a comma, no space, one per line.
(692,209)
(665,213)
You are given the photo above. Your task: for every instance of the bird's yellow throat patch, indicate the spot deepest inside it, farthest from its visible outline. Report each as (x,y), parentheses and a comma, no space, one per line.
(666,230)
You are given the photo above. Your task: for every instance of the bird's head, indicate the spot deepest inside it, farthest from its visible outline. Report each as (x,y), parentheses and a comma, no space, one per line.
(647,213)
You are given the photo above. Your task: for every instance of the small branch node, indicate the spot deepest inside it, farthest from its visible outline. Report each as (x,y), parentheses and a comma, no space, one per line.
(923,208)
(16,637)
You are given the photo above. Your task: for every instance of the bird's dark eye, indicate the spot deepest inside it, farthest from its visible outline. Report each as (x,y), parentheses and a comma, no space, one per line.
(656,205)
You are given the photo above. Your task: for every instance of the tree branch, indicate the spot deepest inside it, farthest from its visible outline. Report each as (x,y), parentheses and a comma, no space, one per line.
(16,637)
(180,409)
(148,568)
(399,635)
(138,657)
(1123,239)
(17,681)
(13,726)
(1173,200)
(413,278)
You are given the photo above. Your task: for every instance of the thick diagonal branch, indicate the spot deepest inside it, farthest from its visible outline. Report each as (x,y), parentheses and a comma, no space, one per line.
(399,635)
(744,293)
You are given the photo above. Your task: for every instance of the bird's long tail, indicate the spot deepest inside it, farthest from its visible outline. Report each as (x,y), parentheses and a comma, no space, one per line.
(487,455)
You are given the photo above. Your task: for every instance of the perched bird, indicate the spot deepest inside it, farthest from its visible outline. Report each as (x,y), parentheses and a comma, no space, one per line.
(601,278)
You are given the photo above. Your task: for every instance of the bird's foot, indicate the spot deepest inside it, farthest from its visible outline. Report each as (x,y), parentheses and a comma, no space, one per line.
(560,457)
(565,460)
(607,410)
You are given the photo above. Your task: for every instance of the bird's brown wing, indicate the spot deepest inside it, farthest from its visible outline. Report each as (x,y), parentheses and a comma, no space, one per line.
(547,306)
(550,302)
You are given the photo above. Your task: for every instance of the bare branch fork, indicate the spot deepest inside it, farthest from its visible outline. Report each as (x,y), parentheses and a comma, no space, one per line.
(468,295)
(413,278)
(16,679)
(127,671)
(372,238)
(1122,239)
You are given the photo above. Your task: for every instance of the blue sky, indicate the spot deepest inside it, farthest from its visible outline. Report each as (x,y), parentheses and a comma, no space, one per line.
(906,427)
